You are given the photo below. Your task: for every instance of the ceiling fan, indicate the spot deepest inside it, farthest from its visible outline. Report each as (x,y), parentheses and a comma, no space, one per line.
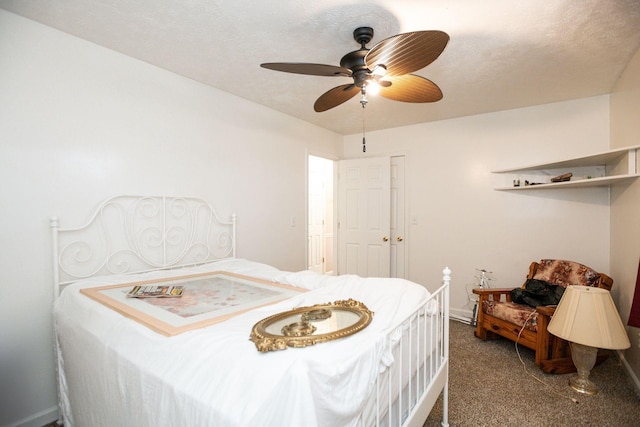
(387,64)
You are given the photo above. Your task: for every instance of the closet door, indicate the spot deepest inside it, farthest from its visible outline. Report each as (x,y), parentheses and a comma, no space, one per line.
(364,217)
(398,258)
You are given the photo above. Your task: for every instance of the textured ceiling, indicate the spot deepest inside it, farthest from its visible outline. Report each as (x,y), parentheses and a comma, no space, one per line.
(503,54)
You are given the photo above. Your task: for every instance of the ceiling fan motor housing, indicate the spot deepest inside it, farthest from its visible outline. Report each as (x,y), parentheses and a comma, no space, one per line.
(363,35)
(355,60)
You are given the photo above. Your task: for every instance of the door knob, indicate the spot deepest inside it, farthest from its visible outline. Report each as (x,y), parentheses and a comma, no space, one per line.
(399,239)
(385,239)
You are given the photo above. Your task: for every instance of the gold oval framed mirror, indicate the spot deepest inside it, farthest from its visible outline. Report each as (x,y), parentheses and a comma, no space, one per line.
(305,326)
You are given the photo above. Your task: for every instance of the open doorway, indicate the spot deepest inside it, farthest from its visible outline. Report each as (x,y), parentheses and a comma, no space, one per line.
(320,239)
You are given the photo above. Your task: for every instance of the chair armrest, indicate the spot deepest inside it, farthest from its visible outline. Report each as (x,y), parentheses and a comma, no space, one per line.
(605,282)
(492,291)
(546,310)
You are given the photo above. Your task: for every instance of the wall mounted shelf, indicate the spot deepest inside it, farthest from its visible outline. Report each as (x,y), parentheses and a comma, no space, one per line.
(600,169)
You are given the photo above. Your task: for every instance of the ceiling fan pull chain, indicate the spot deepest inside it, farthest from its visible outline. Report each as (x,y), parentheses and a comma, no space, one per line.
(364,141)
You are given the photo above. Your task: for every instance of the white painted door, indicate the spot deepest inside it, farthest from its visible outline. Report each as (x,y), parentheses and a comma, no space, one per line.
(364,217)
(398,258)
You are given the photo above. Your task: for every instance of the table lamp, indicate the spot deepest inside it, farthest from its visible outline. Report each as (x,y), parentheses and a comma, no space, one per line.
(588,319)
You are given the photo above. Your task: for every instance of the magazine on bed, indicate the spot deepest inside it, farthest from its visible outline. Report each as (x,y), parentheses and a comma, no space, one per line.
(155,292)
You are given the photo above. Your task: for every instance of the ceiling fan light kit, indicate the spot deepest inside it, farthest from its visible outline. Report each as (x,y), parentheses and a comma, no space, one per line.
(388,65)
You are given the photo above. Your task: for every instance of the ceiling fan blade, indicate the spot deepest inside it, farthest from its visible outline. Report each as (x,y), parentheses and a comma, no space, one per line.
(411,88)
(407,52)
(310,69)
(335,97)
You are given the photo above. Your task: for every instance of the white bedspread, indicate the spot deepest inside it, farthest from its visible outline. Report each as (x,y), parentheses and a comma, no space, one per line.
(118,372)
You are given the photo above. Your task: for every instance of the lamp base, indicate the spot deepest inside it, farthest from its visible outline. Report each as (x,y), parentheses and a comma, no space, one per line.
(583,386)
(584,358)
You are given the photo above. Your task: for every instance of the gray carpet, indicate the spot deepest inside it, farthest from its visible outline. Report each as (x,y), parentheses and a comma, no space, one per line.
(489,387)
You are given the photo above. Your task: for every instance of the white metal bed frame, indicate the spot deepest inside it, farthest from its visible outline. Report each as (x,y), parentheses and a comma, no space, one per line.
(421,341)
(134,234)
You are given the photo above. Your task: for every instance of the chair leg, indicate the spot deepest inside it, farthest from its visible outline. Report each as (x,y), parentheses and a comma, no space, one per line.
(480,332)
(542,340)
(559,348)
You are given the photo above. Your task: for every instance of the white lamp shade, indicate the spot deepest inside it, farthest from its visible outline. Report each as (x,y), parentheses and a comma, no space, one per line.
(588,316)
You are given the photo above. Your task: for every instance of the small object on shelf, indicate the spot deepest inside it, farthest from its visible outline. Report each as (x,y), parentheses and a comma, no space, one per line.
(562,178)
(516,183)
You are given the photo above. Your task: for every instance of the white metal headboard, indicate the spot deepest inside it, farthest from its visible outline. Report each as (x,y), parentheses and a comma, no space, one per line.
(134,234)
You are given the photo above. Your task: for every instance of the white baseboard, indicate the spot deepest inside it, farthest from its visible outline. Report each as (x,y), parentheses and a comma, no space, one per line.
(38,419)
(630,372)
(460,315)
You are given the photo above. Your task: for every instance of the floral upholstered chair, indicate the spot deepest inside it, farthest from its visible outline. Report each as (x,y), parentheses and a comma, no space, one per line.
(498,315)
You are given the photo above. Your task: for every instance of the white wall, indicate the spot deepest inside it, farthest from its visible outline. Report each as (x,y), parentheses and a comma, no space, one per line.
(79,123)
(625,205)
(464,224)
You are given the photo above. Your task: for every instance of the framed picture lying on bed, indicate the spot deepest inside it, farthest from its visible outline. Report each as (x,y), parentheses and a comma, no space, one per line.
(206,299)
(111,364)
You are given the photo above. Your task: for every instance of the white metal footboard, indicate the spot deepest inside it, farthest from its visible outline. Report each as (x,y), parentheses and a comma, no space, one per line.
(418,366)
